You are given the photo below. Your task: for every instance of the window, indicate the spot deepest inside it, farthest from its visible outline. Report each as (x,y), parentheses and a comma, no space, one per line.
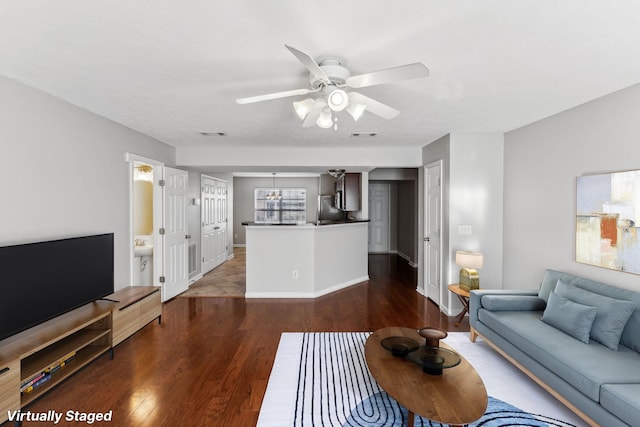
(280,205)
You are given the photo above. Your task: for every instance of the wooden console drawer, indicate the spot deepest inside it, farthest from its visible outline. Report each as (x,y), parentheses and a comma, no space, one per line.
(150,309)
(126,322)
(9,388)
(136,307)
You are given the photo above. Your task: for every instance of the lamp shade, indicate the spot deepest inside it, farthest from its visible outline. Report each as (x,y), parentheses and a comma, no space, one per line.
(355,110)
(467,259)
(303,107)
(325,121)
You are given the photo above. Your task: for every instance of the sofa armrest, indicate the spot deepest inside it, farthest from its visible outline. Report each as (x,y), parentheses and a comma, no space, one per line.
(475,299)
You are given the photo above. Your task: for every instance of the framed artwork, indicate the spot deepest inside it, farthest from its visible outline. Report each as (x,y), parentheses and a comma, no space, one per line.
(607,219)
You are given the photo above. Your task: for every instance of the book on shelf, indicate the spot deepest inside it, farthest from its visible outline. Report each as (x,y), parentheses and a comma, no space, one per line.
(44,379)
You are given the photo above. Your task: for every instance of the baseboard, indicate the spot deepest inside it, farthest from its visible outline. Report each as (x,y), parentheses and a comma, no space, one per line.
(408,259)
(307,294)
(239,245)
(195,279)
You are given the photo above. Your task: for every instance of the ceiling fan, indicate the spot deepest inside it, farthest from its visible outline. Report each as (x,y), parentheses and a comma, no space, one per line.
(330,78)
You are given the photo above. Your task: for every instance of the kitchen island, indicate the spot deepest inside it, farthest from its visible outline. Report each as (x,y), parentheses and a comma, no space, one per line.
(305,261)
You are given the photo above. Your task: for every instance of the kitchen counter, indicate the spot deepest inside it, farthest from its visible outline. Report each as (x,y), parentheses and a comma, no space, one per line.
(321,222)
(305,261)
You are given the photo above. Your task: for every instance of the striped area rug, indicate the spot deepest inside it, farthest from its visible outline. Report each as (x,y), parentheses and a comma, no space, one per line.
(322,379)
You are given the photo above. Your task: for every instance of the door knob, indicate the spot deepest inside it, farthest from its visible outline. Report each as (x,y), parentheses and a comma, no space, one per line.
(188,236)
(426,239)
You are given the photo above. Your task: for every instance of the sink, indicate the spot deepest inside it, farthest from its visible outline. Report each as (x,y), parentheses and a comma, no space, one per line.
(146,250)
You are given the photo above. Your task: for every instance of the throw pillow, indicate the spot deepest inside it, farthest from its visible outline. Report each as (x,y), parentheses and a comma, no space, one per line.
(570,317)
(611,316)
(512,303)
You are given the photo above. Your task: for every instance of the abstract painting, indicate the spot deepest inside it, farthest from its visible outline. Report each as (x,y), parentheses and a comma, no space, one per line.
(607,219)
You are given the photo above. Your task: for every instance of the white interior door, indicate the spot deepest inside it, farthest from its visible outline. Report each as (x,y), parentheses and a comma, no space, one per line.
(176,236)
(378,218)
(214,223)
(433,225)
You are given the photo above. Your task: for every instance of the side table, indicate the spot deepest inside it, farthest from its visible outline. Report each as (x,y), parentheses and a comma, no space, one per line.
(463,296)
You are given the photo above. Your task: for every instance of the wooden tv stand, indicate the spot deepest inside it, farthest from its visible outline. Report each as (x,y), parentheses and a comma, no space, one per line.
(86,332)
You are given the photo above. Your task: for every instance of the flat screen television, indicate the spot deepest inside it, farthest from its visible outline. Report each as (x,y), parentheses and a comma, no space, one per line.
(39,281)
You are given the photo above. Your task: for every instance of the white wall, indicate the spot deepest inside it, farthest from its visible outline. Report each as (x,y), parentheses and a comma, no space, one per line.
(472,190)
(475,198)
(63,172)
(244,158)
(542,162)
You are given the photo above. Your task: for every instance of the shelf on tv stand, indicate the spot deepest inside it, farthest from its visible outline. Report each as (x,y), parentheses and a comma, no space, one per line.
(85,330)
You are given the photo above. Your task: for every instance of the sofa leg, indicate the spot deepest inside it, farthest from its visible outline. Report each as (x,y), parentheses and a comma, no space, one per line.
(473,335)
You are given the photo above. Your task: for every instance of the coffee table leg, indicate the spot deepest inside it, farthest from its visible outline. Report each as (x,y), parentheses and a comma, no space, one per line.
(411,418)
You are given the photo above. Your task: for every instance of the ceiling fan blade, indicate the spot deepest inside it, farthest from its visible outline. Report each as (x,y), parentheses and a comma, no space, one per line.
(309,63)
(373,106)
(404,72)
(276,95)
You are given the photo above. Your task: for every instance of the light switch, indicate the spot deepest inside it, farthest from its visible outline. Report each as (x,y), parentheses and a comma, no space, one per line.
(464,229)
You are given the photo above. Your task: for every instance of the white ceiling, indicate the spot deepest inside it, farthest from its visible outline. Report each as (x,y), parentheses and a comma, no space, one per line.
(170,69)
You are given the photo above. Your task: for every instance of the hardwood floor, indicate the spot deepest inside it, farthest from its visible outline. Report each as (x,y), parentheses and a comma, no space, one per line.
(209,361)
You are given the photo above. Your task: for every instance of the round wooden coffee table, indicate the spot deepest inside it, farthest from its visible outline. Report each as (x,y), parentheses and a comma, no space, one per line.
(456,397)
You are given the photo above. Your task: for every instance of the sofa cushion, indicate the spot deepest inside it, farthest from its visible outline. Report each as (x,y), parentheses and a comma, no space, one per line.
(570,317)
(622,400)
(611,317)
(631,333)
(577,363)
(512,302)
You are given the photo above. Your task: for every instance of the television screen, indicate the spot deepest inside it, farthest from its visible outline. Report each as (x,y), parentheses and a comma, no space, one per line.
(39,281)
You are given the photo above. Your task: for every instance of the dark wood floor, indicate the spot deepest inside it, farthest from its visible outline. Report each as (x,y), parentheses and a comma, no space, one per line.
(208,363)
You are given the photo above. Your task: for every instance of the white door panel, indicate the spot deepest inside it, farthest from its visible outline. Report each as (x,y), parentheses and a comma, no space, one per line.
(176,236)
(379,218)
(433,225)
(214,223)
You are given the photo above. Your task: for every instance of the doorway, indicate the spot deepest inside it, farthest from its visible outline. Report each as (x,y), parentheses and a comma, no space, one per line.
(158,226)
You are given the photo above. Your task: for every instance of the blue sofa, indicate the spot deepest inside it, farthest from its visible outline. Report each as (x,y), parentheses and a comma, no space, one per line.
(542,333)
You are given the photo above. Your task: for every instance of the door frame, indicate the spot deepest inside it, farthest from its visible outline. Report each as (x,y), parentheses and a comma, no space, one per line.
(158,173)
(441,298)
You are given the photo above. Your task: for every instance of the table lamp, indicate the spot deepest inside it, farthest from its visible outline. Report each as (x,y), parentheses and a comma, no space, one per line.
(469,261)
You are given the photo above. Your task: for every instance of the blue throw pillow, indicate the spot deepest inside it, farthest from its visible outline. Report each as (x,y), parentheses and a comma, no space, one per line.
(512,303)
(570,317)
(611,316)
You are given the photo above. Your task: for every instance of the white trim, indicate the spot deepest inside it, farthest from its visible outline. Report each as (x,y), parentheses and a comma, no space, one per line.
(195,279)
(239,245)
(408,259)
(307,294)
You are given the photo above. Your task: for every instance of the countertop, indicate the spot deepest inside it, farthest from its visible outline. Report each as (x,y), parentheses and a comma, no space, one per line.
(318,223)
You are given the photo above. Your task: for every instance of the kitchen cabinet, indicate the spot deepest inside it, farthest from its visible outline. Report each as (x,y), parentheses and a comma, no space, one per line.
(348,192)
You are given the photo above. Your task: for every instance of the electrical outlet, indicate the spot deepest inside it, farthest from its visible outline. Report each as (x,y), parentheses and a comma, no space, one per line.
(294,274)
(235,236)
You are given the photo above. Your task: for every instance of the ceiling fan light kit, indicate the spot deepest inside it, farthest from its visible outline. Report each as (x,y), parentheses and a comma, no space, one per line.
(330,77)
(325,121)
